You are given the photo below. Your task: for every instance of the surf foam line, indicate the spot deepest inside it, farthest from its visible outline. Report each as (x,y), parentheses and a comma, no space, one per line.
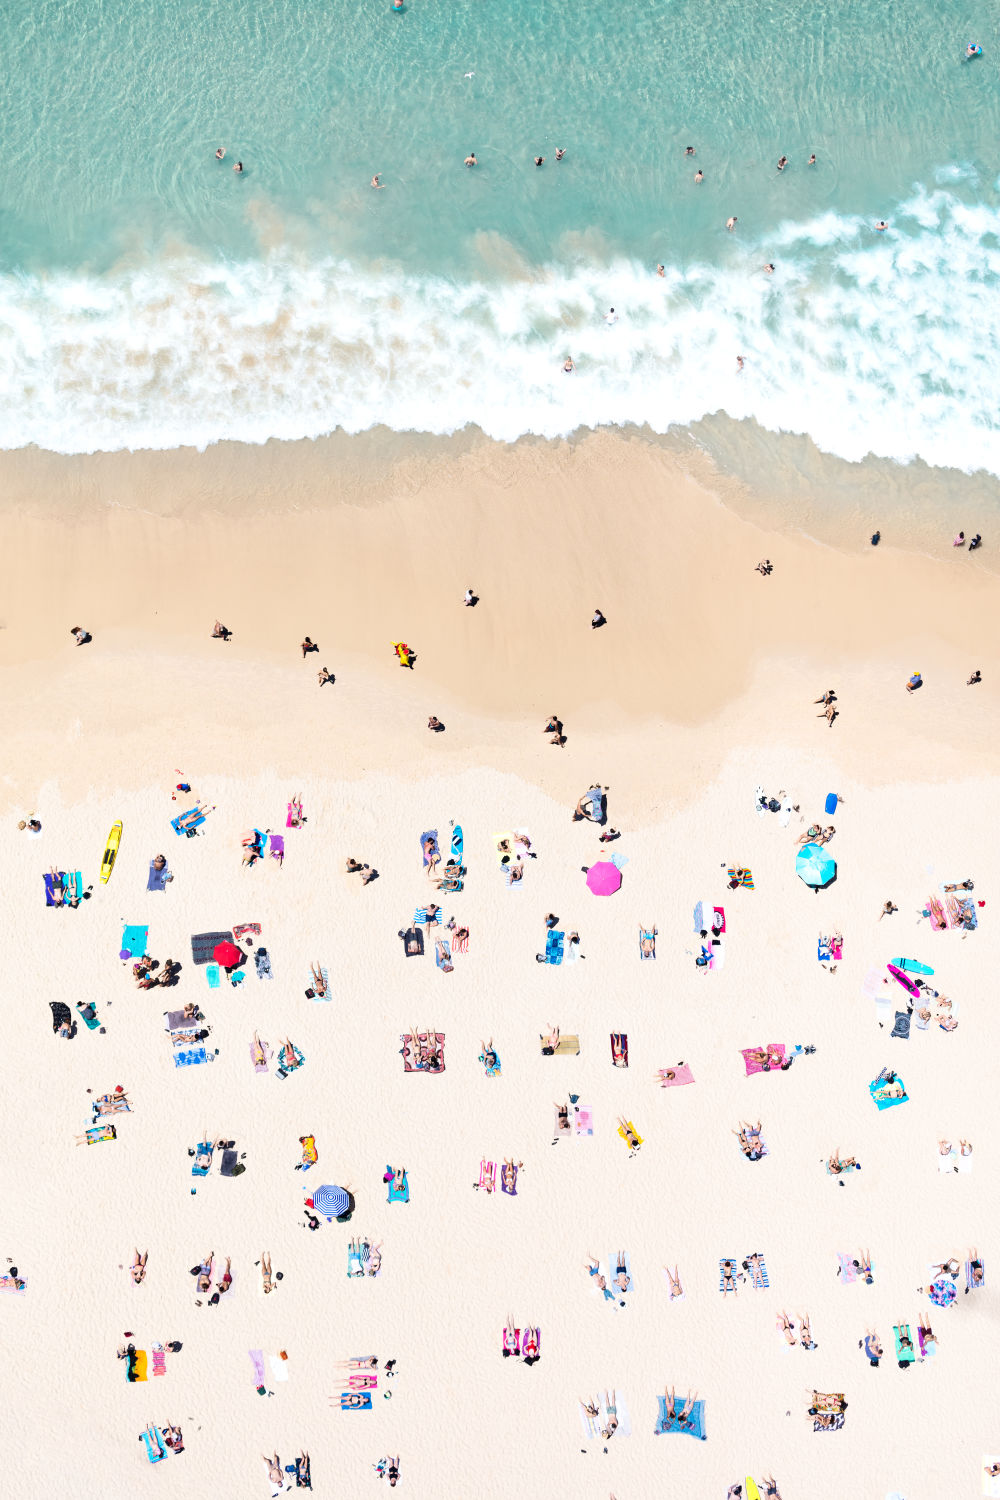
(882,343)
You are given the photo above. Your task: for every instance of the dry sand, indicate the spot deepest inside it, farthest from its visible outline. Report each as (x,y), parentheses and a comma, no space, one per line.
(699,688)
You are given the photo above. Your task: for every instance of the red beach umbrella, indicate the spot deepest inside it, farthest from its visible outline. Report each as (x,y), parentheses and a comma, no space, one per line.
(227,954)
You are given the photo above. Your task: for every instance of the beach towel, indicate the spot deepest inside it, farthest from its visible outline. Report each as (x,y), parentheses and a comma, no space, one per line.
(61,1013)
(192,1057)
(569,1046)
(928,1346)
(487,1175)
(295,816)
(204,944)
(98,1133)
(257,1360)
(159,1359)
(884,1093)
(848,1271)
(50,888)
(593,1426)
(967,914)
(635,1133)
(260,1059)
(134,941)
(823,950)
(427,916)
(554,946)
(460,941)
(693,1424)
(12,1284)
(214,975)
(413,1064)
(137,1368)
(245,930)
(262,963)
(761,1284)
(963,1163)
(905,1356)
(613,1263)
(277,850)
(413,942)
(442,956)
(508,1179)
(741,877)
(284,1070)
(583,1119)
(775,1058)
(73,886)
(492,1069)
(510,1346)
(88,1016)
(829,1423)
(671,1078)
(427,854)
(736,1272)
(187,822)
(154,1453)
(157,880)
(355,1265)
(619,1049)
(971,1269)
(397,1195)
(355,1400)
(901,1025)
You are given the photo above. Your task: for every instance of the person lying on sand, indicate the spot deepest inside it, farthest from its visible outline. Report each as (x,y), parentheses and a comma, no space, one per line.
(265,1272)
(550,1041)
(137,1270)
(749,1138)
(318,982)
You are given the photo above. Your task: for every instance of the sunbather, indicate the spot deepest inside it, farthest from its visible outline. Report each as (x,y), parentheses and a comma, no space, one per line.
(137,1270)
(749,1139)
(550,1041)
(594,1269)
(787,1328)
(755,1265)
(835,1165)
(444,956)
(907,1353)
(289,1061)
(488,1056)
(621,1278)
(58,893)
(372,1258)
(562,1119)
(872,1347)
(392,1472)
(811,834)
(226,1280)
(728,1269)
(318,982)
(259,1053)
(647,941)
(203,1273)
(511,1341)
(368,874)
(977,1271)
(173,1438)
(610,1406)
(826,835)
(154,1444)
(805,1332)
(508,1173)
(529,1345)
(674,1278)
(303,1474)
(274,1472)
(399,1181)
(864,1266)
(632,1140)
(265,1272)
(770,1487)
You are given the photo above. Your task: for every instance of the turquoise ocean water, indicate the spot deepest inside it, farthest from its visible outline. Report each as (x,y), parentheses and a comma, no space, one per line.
(150,297)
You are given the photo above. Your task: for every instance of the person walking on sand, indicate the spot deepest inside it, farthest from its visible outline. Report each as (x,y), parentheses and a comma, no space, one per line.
(888,910)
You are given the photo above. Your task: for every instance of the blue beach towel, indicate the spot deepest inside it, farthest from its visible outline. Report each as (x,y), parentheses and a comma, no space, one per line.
(190,1057)
(134,941)
(50,888)
(190,827)
(693,1424)
(213,975)
(554,946)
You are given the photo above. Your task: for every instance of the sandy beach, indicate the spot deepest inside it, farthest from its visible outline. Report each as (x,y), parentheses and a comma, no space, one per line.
(698,689)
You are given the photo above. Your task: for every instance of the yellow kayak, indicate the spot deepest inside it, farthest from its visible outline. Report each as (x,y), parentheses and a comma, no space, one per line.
(111,852)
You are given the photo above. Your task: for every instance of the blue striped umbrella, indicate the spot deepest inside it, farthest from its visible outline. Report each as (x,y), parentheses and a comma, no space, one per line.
(331,1201)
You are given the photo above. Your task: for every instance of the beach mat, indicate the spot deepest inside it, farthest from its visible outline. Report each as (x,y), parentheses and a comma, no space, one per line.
(204,944)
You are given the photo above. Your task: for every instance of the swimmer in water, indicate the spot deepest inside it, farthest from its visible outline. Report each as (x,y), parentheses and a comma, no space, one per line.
(470,160)
(568,366)
(731,223)
(560,152)
(220,153)
(882,225)
(237,166)
(688,150)
(783,163)
(660,270)
(375,181)
(699,176)
(611,316)
(539,161)
(812,161)
(973,50)
(739,363)
(769,268)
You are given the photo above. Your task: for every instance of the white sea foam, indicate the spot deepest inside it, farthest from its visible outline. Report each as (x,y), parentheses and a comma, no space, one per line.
(884,343)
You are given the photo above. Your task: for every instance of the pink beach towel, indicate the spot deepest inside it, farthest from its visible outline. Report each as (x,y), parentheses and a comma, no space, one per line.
(775,1057)
(673,1077)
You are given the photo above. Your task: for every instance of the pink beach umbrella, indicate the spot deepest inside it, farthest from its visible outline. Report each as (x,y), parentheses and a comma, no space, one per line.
(604,878)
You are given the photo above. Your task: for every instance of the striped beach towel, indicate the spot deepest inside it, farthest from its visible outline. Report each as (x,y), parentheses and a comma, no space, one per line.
(735,1272)
(761,1283)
